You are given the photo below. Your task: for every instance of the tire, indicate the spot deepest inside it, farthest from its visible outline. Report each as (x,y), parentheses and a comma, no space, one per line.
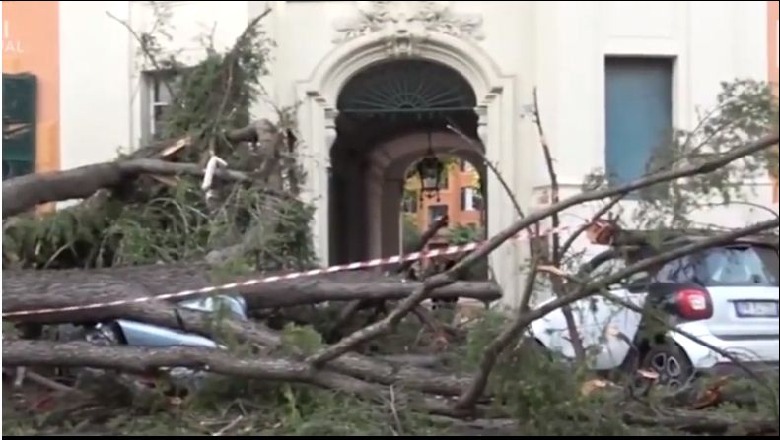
(672,365)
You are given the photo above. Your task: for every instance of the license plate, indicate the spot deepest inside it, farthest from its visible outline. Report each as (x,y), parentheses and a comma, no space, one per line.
(756,309)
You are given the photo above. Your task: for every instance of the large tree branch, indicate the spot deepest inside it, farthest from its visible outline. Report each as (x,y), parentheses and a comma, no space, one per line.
(142,360)
(405,306)
(557,252)
(27,292)
(25,192)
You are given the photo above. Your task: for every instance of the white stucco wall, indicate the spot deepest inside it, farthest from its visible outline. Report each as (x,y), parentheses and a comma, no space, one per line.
(558,47)
(100,67)
(95,61)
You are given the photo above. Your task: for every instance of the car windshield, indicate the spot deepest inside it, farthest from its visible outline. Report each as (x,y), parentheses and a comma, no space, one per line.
(732,265)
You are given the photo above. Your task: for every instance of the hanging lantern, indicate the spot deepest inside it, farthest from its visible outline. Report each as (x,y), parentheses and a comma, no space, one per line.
(430,170)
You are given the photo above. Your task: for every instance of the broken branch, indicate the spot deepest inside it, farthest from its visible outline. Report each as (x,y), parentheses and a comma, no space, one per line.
(557,252)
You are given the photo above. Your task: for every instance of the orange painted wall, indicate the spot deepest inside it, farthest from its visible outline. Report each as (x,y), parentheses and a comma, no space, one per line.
(31,45)
(774,72)
(450,196)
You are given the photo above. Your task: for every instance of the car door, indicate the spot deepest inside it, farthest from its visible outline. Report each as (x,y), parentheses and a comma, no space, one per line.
(609,326)
(604,327)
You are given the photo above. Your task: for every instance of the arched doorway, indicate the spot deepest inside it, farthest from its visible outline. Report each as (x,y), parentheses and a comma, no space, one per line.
(389,116)
(497,107)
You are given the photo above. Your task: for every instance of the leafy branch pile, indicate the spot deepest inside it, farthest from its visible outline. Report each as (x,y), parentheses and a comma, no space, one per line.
(304,363)
(164,216)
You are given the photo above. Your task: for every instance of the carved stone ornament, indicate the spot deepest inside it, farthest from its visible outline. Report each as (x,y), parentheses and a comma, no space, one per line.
(406,22)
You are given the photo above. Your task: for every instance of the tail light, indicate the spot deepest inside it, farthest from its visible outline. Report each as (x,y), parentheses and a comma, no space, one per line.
(693,304)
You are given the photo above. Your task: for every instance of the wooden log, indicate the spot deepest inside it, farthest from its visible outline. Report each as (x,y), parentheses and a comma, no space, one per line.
(30,290)
(25,192)
(143,360)
(352,364)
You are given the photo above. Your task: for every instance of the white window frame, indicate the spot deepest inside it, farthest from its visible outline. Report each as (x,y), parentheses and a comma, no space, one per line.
(468,197)
(431,208)
(153,82)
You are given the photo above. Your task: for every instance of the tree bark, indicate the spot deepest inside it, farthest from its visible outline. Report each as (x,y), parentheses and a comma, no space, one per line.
(283,295)
(143,360)
(201,323)
(31,290)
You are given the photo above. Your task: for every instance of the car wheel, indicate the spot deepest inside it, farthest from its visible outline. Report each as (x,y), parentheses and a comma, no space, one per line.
(669,363)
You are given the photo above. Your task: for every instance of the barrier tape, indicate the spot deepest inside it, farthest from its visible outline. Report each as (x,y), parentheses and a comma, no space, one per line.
(377,262)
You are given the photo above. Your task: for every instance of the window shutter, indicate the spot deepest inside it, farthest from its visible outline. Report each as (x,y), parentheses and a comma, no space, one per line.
(19,123)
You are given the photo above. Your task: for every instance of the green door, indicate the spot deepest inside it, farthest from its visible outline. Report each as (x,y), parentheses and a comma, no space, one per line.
(19,122)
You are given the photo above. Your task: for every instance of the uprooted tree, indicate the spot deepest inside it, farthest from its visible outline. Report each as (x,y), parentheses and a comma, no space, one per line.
(151,224)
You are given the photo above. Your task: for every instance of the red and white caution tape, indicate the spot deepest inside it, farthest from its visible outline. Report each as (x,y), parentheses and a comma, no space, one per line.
(378,262)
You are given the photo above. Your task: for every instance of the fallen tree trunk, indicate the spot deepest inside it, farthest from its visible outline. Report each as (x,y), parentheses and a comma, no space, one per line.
(142,360)
(25,192)
(55,289)
(282,295)
(26,285)
(202,323)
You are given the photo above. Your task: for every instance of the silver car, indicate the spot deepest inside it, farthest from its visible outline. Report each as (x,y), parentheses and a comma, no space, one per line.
(727,296)
(133,333)
(127,332)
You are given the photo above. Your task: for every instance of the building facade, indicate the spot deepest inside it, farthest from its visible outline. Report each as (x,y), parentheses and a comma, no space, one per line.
(459,197)
(610,77)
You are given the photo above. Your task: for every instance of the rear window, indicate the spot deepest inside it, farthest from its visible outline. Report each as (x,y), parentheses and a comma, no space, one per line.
(723,266)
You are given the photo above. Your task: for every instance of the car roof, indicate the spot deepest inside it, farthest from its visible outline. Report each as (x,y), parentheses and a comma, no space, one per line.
(665,237)
(626,241)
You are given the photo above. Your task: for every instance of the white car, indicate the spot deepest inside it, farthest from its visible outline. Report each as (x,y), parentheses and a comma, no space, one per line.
(727,296)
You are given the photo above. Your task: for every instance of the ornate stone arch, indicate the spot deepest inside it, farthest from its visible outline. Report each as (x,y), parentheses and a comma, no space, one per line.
(495,94)
(346,60)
